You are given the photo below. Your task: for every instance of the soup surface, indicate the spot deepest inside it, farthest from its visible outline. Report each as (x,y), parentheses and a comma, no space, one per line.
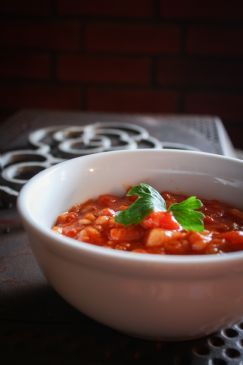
(94,221)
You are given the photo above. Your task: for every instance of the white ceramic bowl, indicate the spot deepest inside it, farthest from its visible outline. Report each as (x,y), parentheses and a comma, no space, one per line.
(151,296)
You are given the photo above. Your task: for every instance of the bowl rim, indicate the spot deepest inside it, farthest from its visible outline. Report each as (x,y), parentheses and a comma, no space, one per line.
(73,245)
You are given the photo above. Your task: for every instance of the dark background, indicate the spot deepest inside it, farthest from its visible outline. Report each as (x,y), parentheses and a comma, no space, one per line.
(141,56)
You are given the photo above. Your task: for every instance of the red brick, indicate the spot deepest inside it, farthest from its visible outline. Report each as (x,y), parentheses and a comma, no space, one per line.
(135,101)
(148,39)
(222,104)
(44,35)
(25,7)
(215,40)
(32,96)
(24,65)
(202,9)
(120,70)
(199,72)
(119,8)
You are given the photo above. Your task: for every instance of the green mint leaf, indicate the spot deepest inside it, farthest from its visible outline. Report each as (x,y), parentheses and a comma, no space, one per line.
(149,200)
(186,215)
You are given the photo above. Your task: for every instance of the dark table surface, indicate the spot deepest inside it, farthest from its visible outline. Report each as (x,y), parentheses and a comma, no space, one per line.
(39,327)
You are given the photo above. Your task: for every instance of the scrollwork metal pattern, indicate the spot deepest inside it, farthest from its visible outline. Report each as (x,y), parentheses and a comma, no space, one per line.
(55,144)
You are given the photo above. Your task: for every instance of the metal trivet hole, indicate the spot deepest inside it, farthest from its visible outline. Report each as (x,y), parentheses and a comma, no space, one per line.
(225,347)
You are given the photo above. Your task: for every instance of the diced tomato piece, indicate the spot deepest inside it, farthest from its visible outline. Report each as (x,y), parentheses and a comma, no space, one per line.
(123,207)
(90,234)
(233,241)
(152,220)
(66,218)
(234,237)
(157,237)
(107,200)
(163,220)
(139,250)
(199,241)
(132,198)
(107,211)
(72,232)
(126,234)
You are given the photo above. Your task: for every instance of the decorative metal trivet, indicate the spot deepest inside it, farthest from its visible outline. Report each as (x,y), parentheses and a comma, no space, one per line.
(223,348)
(54,144)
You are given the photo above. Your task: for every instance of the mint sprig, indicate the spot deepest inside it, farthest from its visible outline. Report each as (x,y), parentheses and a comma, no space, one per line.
(187,215)
(149,200)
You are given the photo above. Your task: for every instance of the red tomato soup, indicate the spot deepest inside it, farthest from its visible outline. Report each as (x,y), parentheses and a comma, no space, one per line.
(158,233)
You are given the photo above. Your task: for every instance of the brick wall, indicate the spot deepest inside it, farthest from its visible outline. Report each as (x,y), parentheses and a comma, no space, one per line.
(145,56)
